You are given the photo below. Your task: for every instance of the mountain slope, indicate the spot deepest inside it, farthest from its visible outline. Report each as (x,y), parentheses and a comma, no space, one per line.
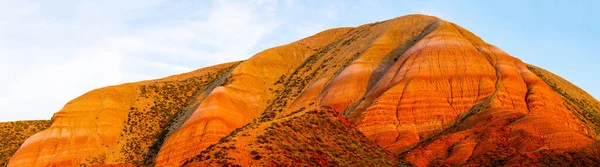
(582,104)
(413,90)
(119,124)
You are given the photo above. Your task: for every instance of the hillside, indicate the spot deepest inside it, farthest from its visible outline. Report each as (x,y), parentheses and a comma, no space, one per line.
(119,124)
(414,90)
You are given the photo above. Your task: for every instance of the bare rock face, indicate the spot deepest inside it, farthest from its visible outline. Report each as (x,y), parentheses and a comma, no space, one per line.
(413,90)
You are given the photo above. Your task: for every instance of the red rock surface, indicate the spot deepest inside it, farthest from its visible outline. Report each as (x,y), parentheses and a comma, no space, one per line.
(443,78)
(415,87)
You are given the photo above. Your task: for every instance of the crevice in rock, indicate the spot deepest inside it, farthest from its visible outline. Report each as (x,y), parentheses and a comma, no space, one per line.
(398,107)
(526,87)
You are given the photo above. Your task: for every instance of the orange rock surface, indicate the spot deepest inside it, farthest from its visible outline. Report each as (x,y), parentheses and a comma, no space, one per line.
(414,88)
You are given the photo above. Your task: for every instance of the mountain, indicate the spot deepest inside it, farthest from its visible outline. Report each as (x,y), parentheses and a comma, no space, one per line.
(414,90)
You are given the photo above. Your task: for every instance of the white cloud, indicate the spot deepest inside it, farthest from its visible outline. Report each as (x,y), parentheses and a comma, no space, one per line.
(53,52)
(309,29)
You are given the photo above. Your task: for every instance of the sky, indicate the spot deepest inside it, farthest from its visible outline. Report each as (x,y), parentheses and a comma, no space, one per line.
(54,51)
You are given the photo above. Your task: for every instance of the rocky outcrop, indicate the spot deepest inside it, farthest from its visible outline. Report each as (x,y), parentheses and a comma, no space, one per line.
(414,88)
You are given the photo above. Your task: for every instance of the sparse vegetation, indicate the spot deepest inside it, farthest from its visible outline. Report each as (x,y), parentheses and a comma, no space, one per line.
(318,138)
(98,159)
(157,105)
(313,138)
(13,134)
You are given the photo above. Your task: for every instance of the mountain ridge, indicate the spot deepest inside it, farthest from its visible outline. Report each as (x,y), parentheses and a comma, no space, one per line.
(414,90)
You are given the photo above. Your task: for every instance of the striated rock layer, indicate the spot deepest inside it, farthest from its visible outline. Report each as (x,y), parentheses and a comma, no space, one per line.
(413,88)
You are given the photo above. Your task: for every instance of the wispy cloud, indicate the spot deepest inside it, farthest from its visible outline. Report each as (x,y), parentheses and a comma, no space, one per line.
(54,51)
(50,54)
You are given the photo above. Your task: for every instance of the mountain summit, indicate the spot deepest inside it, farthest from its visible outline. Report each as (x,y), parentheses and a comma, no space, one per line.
(414,90)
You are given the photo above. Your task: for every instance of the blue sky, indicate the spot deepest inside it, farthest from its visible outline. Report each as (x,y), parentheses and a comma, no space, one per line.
(53,51)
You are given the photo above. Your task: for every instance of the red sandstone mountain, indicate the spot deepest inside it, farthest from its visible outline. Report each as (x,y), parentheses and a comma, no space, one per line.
(414,90)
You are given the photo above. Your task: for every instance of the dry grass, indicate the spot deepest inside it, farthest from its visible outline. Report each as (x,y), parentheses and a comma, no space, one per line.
(13,134)
(157,105)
